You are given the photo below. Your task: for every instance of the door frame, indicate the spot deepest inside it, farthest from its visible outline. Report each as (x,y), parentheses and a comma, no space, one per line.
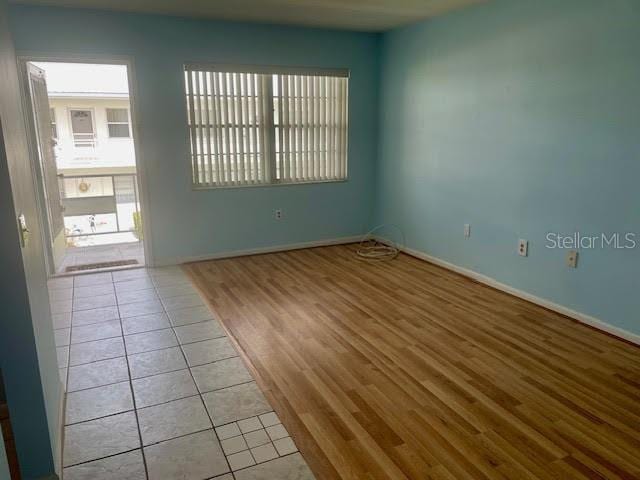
(141,169)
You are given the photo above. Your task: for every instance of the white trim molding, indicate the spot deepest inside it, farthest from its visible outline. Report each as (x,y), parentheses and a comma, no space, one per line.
(258,251)
(492,282)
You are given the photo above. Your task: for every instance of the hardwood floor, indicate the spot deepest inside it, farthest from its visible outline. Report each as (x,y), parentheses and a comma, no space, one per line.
(405,370)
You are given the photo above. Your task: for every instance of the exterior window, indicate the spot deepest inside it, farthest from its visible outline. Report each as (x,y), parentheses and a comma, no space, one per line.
(118,122)
(54,127)
(264,125)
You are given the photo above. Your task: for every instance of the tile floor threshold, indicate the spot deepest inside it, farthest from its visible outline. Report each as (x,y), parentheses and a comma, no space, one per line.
(170,398)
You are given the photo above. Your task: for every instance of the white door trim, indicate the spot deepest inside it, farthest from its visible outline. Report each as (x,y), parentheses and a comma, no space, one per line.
(141,169)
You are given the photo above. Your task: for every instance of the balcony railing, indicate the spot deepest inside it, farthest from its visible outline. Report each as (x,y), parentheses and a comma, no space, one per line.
(100,205)
(84,140)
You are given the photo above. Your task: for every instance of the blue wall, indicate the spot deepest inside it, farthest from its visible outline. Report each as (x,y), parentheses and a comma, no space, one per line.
(27,348)
(520,118)
(188,223)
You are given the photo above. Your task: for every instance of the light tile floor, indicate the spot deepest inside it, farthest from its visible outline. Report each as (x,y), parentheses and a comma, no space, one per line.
(155,389)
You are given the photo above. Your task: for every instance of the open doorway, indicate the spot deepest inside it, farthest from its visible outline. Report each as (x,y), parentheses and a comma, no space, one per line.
(85,162)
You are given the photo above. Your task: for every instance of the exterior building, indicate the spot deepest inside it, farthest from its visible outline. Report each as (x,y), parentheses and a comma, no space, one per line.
(95,155)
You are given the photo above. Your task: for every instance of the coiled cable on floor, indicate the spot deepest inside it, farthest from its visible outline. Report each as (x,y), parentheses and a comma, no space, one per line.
(374,250)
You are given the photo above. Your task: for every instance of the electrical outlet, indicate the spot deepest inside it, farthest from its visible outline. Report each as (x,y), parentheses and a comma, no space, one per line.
(467,230)
(523,247)
(572,259)
(278,214)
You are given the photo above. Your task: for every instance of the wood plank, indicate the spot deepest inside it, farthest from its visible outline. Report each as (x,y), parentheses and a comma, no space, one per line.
(403,370)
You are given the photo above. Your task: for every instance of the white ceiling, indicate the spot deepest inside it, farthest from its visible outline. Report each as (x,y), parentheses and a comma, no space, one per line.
(366,15)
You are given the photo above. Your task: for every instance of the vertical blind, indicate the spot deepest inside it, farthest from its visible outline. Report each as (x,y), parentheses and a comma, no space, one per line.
(264,126)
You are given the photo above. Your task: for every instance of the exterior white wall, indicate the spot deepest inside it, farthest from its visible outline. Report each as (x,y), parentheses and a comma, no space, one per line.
(110,155)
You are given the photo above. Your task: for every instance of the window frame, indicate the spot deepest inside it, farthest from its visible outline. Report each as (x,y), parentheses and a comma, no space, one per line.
(127,123)
(270,125)
(54,123)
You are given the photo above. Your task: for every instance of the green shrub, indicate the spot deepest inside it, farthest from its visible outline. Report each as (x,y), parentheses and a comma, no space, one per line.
(137,225)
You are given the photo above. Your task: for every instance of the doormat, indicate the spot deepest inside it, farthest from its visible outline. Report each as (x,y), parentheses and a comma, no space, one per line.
(94,266)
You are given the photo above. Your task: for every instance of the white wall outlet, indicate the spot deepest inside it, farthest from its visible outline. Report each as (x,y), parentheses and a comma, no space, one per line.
(278,214)
(467,230)
(523,247)
(572,259)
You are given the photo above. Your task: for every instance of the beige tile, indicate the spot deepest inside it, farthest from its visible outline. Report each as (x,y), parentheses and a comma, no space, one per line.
(163,388)
(62,337)
(277,431)
(249,424)
(208,351)
(95,351)
(94,315)
(60,294)
(221,374)
(227,431)
(192,457)
(61,320)
(125,297)
(185,316)
(256,438)
(197,332)
(61,306)
(95,301)
(98,331)
(234,445)
(291,467)
(240,460)
(154,340)
(97,374)
(182,301)
(84,292)
(158,361)
(145,323)
(140,308)
(269,419)
(129,466)
(63,356)
(173,419)
(285,446)
(176,290)
(60,282)
(98,402)
(100,438)
(264,453)
(168,280)
(235,403)
(90,279)
(133,285)
(168,270)
(130,274)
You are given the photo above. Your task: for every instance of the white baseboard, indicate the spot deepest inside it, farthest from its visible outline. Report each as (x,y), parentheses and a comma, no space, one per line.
(492,282)
(258,251)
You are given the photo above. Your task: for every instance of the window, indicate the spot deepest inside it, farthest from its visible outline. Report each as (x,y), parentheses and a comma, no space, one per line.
(263,125)
(118,122)
(54,127)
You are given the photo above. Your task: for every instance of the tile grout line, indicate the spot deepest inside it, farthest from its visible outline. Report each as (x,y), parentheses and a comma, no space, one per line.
(213,428)
(133,396)
(179,345)
(157,375)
